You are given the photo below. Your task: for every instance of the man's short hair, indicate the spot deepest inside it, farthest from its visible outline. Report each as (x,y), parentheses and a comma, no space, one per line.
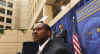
(61,24)
(46,26)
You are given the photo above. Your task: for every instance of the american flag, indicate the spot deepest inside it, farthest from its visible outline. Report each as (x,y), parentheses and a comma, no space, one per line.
(77,49)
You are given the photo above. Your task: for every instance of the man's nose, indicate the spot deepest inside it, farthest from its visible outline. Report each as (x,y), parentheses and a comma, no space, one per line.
(34,32)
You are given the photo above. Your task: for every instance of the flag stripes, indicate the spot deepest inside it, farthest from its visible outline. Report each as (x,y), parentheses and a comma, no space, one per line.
(76,44)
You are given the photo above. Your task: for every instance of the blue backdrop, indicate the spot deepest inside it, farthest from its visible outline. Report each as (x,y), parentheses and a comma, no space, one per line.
(88,27)
(89,35)
(66,20)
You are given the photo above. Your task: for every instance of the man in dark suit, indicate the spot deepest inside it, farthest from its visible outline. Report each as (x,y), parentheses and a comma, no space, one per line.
(42,33)
(62,33)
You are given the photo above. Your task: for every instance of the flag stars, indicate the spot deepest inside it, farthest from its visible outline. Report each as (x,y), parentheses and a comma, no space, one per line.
(98,29)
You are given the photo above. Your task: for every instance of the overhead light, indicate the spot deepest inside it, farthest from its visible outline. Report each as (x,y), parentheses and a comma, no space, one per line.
(62,7)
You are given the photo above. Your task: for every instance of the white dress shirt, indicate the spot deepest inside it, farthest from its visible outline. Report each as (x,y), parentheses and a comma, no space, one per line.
(43,45)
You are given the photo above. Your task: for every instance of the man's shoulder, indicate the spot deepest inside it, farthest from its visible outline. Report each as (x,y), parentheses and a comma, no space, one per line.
(57,43)
(54,45)
(64,30)
(58,46)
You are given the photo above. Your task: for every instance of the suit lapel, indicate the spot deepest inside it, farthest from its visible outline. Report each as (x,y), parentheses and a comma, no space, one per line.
(46,47)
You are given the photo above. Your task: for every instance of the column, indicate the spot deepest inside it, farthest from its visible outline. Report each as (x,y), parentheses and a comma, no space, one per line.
(48,11)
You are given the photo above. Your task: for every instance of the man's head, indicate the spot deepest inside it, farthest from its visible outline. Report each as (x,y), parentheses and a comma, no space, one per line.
(60,26)
(41,32)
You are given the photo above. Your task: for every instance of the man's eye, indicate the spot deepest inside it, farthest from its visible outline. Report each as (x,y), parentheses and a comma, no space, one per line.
(38,29)
(33,29)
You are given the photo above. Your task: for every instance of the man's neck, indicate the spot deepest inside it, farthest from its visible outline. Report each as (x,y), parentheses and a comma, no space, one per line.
(61,30)
(42,46)
(42,41)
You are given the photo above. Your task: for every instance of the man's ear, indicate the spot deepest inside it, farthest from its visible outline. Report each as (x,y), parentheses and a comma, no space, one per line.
(49,33)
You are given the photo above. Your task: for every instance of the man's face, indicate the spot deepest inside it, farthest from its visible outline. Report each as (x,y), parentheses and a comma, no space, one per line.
(39,32)
(60,26)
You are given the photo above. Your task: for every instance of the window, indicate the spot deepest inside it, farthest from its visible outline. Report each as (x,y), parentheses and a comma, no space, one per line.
(1,26)
(9,12)
(2,10)
(8,27)
(1,19)
(2,3)
(10,5)
(8,20)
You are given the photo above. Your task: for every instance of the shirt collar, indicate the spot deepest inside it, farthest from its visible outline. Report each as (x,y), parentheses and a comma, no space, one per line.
(43,45)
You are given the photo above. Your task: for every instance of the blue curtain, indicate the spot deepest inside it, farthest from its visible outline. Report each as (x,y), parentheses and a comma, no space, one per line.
(66,20)
(90,37)
(87,29)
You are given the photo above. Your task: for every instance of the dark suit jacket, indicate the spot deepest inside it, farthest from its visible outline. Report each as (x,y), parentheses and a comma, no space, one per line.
(56,46)
(30,48)
(63,34)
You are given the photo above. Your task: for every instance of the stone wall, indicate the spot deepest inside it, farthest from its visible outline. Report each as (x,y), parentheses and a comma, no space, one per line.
(11,41)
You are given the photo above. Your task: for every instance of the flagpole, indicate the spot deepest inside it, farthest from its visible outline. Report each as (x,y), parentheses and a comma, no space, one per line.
(76,43)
